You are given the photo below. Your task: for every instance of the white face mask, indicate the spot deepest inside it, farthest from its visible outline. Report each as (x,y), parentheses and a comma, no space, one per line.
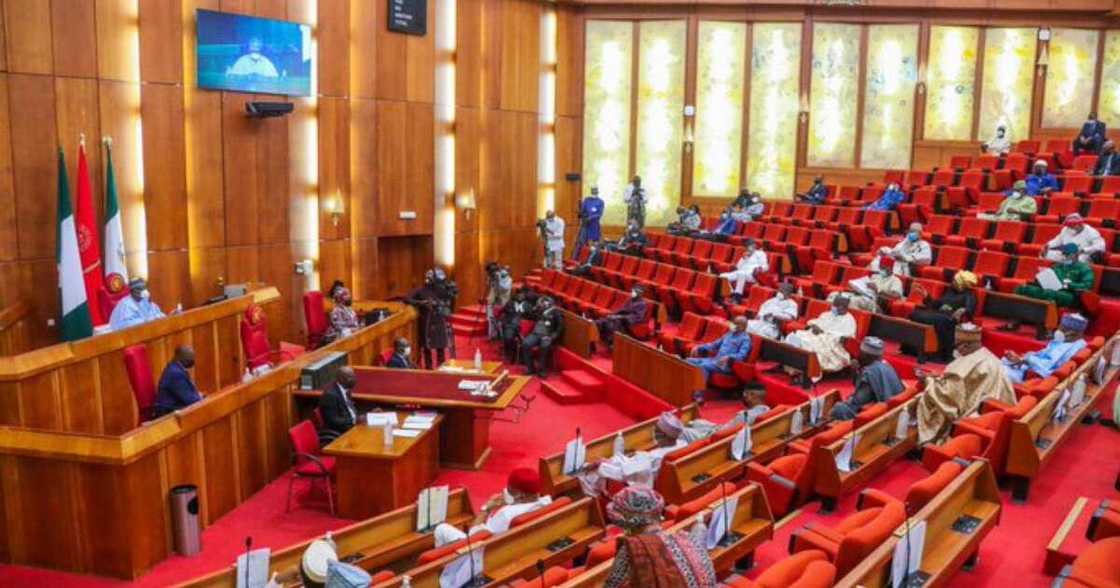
(956,354)
(406,351)
(507,497)
(146,294)
(1059,337)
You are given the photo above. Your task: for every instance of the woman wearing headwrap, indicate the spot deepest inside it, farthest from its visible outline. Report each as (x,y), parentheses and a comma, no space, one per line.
(647,556)
(343,318)
(957,304)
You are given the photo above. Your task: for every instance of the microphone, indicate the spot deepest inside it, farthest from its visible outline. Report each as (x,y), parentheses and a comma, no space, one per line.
(248,547)
(540,571)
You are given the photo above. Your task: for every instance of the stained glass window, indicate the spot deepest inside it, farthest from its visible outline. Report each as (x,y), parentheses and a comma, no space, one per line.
(1069,77)
(717,144)
(660,122)
(888,111)
(951,83)
(775,99)
(1109,109)
(1005,98)
(834,87)
(606,117)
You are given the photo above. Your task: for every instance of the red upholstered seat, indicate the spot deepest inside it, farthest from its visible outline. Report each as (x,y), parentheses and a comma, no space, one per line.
(1058,207)
(807,569)
(949,260)
(688,449)
(1103,212)
(554,576)
(965,446)
(701,297)
(1007,236)
(141,379)
(987,162)
(869,413)
(698,258)
(683,511)
(833,433)
(531,516)
(315,318)
(970,231)
(855,537)
(787,481)
(309,463)
(1095,567)
(960,162)
(439,552)
(690,328)
(924,490)
(382,576)
(994,428)
(254,341)
(1026,269)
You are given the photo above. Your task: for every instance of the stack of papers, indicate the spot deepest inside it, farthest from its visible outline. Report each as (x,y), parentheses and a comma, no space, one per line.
(451,368)
(418,422)
(472,385)
(407,433)
(380,419)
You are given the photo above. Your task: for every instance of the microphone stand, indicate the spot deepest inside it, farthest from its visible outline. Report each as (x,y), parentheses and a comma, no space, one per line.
(248,547)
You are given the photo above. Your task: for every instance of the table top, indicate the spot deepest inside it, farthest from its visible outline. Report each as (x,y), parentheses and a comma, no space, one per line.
(431,388)
(467,366)
(363,440)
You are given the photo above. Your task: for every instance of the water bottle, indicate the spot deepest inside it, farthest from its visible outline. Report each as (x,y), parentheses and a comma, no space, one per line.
(406,582)
(478,359)
(387,431)
(619,444)
(246,376)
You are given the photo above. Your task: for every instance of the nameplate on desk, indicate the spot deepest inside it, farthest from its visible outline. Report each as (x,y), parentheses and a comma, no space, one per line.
(966,524)
(560,544)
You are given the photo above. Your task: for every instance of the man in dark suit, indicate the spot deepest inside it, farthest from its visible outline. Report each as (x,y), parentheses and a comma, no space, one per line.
(629,315)
(1091,136)
(1108,164)
(176,389)
(336,406)
(546,332)
(402,351)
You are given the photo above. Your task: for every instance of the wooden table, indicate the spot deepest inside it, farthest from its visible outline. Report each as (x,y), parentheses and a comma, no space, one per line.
(373,478)
(464,441)
(467,366)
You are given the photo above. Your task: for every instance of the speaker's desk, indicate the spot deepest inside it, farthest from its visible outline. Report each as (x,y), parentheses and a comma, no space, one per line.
(464,436)
(374,478)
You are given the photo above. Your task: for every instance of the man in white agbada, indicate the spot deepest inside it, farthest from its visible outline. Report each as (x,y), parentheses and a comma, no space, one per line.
(779,309)
(521,495)
(641,467)
(825,335)
(554,240)
(910,253)
(1000,143)
(870,292)
(253,63)
(754,406)
(752,263)
(1076,231)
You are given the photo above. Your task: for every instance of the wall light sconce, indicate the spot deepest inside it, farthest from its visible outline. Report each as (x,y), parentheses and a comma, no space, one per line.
(1043,59)
(803,109)
(466,202)
(333,207)
(921,87)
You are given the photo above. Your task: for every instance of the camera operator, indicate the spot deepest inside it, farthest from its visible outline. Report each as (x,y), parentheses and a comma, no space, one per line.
(498,293)
(435,301)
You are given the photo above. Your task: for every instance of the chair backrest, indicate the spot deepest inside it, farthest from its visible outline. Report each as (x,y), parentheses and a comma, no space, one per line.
(797,235)
(943,178)
(1044,232)
(952,257)
(254,342)
(992,263)
(304,439)
(315,317)
(701,249)
(141,378)
(646,267)
(1078,184)
(530,516)
(974,227)
(691,326)
(1027,267)
(1010,231)
(714,328)
(940,224)
(857,544)
(924,490)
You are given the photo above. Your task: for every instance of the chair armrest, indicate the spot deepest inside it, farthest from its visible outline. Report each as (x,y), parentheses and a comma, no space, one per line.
(314,459)
(990,405)
(965,427)
(871,498)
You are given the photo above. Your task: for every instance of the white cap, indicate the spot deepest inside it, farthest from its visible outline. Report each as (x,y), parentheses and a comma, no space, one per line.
(316,560)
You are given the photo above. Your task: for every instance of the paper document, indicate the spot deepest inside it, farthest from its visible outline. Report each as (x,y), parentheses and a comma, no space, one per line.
(844,456)
(1061,407)
(795,424)
(575,454)
(409,433)
(862,287)
(472,385)
(902,425)
(816,407)
(741,444)
(723,514)
(380,419)
(463,569)
(252,568)
(415,422)
(1048,279)
(431,507)
(911,544)
(1078,395)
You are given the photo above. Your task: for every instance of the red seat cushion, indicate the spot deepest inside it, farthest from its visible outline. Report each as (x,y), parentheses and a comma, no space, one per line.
(310,468)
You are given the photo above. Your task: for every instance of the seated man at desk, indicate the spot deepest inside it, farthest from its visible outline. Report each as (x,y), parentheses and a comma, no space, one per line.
(135,309)
(176,389)
(825,336)
(725,351)
(546,332)
(520,496)
(402,352)
(1074,277)
(336,406)
(874,292)
(754,406)
(1067,341)
(774,312)
(622,319)
(876,381)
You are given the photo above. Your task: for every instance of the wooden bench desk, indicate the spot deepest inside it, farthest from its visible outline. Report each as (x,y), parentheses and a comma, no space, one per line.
(637,437)
(957,520)
(875,450)
(372,478)
(553,539)
(666,376)
(580,334)
(1036,436)
(388,541)
(1043,314)
(695,474)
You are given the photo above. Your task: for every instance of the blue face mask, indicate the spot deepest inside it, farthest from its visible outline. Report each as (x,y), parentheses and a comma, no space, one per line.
(912,237)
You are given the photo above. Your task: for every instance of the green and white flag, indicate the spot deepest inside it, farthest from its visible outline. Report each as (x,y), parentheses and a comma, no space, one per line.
(76,322)
(114,236)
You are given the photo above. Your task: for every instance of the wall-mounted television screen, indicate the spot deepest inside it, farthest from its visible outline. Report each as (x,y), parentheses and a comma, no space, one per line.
(249,54)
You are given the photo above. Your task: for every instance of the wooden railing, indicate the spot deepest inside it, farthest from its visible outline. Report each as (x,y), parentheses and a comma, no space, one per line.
(14,324)
(666,376)
(107,507)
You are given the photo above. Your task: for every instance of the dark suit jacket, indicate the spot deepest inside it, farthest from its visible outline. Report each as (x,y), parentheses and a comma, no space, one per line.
(550,325)
(400,362)
(633,311)
(333,407)
(1093,129)
(176,390)
(1108,165)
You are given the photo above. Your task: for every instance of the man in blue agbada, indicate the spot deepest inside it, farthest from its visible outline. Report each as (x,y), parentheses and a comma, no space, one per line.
(1040,182)
(719,355)
(135,309)
(590,211)
(889,201)
(1067,341)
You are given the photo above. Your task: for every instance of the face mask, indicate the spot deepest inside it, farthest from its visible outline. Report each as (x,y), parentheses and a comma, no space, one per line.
(406,351)
(146,294)
(507,497)
(440,276)
(187,363)
(1016,195)
(1059,337)
(956,354)
(634,295)
(912,237)
(837,311)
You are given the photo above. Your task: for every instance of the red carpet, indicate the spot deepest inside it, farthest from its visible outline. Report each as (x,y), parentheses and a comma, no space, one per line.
(1085,466)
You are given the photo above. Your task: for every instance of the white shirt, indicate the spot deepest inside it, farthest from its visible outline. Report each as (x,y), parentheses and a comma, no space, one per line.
(128,312)
(775,309)
(500,519)
(748,264)
(630,193)
(554,233)
(842,325)
(253,64)
(908,252)
(999,145)
(1088,241)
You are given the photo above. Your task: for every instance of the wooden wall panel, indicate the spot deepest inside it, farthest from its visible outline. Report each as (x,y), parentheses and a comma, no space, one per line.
(118,40)
(169,278)
(568,132)
(204,150)
(73,34)
(334,167)
(8,243)
(275,186)
(403,260)
(469,59)
(569,63)
(333,36)
(120,108)
(81,403)
(363,48)
(31,103)
(3,56)
(76,112)
(161,24)
(27,28)
(222,473)
(242,186)
(420,53)
(46,512)
(165,176)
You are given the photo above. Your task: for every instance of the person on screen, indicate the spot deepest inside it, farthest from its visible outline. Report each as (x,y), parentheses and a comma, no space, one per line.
(176,389)
(135,309)
(253,63)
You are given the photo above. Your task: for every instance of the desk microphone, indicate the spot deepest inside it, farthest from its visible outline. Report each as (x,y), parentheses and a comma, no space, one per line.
(248,547)
(540,571)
